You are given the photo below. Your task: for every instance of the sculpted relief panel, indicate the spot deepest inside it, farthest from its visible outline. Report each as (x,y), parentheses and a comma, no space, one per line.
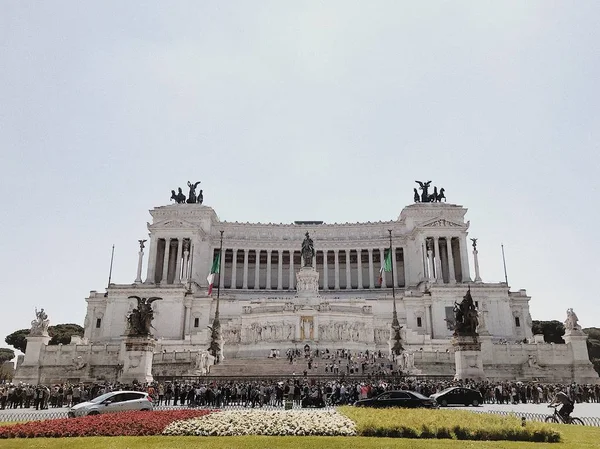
(268,331)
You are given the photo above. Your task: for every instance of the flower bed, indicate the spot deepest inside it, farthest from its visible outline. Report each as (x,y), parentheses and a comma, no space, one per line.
(447,424)
(111,424)
(271,423)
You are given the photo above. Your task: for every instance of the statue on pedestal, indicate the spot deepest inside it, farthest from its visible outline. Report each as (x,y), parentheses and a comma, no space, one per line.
(308,250)
(139,320)
(39,326)
(465,316)
(571,323)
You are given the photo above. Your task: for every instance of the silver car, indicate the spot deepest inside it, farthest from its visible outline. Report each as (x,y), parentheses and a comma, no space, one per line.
(115,401)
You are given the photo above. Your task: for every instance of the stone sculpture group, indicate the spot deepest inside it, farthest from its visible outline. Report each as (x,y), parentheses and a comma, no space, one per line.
(465,316)
(425,197)
(139,320)
(192,198)
(39,326)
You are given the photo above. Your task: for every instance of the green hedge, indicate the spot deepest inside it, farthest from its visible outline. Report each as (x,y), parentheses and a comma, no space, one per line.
(446,424)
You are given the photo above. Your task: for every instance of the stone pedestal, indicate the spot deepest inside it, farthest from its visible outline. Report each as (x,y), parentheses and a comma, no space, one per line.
(29,371)
(583,370)
(137,356)
(307,283)
(468,357)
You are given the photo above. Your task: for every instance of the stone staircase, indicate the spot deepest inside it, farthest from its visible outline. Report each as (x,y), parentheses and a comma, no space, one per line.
(275,367)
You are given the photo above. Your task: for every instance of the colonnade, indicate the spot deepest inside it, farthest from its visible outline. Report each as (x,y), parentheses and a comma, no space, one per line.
(169,260)
(445,260)
(339,269)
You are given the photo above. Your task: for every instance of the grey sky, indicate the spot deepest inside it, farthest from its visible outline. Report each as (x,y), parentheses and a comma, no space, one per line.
(296,111)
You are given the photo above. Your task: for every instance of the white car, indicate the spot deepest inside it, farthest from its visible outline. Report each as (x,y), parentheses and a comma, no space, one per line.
(115,401)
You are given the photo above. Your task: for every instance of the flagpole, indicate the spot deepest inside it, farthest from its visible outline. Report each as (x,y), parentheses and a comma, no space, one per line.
(112,256)
(395,322)
(504,262)
(220,261)
(393,280)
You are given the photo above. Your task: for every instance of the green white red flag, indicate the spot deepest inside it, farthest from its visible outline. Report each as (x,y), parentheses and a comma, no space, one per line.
(216,266)
(386,264)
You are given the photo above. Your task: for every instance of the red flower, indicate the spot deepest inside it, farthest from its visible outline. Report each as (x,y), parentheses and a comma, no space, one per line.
(113,424)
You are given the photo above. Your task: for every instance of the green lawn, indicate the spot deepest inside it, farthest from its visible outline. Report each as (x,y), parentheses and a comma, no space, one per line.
(573,438)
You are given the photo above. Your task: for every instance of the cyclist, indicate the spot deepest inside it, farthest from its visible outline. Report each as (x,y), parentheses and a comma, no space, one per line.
(567,405)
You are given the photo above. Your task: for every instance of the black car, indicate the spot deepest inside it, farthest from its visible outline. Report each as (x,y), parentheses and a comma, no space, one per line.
(400,398)
(458,396)
(313,399)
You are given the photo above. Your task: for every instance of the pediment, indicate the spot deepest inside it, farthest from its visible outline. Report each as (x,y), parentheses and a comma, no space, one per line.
(441,223)
(173,224)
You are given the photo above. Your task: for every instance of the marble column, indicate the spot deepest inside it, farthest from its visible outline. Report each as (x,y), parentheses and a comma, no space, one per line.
(325,271)
(430,260)
(138,278)
(269,254)
(337,269)
(222,269)
(476,263)
(451,274)
(382,259)
(371,279)
(178,263)
(234,269)
(406,266)
(152,261)
(166,261)
(279,269)
(257,271)
(292,274)
(394,267)
(464,260)
(348,273)
(245,278)
(186,261)
(359,268)
(438,260)
(428,320)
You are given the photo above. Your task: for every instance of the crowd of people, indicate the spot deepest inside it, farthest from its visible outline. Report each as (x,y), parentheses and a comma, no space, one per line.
(260,393)
(341,361)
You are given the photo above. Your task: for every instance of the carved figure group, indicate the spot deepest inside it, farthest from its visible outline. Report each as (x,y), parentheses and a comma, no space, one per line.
(269,332)
(465,316)
(571,323)
(39,326)
(192,198)
(139,320)
(426,197)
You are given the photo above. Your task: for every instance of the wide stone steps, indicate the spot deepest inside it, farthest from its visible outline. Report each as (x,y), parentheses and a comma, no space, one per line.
(276,367)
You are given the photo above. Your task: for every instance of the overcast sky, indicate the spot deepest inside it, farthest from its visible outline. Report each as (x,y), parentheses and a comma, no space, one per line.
(288,111)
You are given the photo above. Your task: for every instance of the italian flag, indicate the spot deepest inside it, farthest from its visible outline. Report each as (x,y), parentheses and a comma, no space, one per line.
(216,266)
(386,265)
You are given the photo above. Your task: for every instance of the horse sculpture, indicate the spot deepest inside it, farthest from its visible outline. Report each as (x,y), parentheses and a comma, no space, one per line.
(178,197)
(465,316)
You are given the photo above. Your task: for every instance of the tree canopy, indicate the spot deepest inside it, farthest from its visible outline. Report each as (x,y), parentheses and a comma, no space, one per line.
(552,330)
(61,333)
(593,345)
(6,354)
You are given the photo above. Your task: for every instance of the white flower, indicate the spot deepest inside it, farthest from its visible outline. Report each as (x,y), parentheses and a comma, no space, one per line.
(259,422)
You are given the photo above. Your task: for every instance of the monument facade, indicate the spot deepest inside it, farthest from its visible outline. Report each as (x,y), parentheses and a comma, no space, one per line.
(310,284)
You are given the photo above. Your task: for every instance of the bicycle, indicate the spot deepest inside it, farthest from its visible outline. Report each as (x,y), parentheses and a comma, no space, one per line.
(558,419)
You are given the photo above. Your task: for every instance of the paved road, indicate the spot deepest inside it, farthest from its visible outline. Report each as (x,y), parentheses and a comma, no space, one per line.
(585,409)
(581,410)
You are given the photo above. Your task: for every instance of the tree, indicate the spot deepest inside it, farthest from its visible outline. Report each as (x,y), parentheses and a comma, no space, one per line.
(6,355)
(593,344)
(18,339)
(61,333)
(552,330)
